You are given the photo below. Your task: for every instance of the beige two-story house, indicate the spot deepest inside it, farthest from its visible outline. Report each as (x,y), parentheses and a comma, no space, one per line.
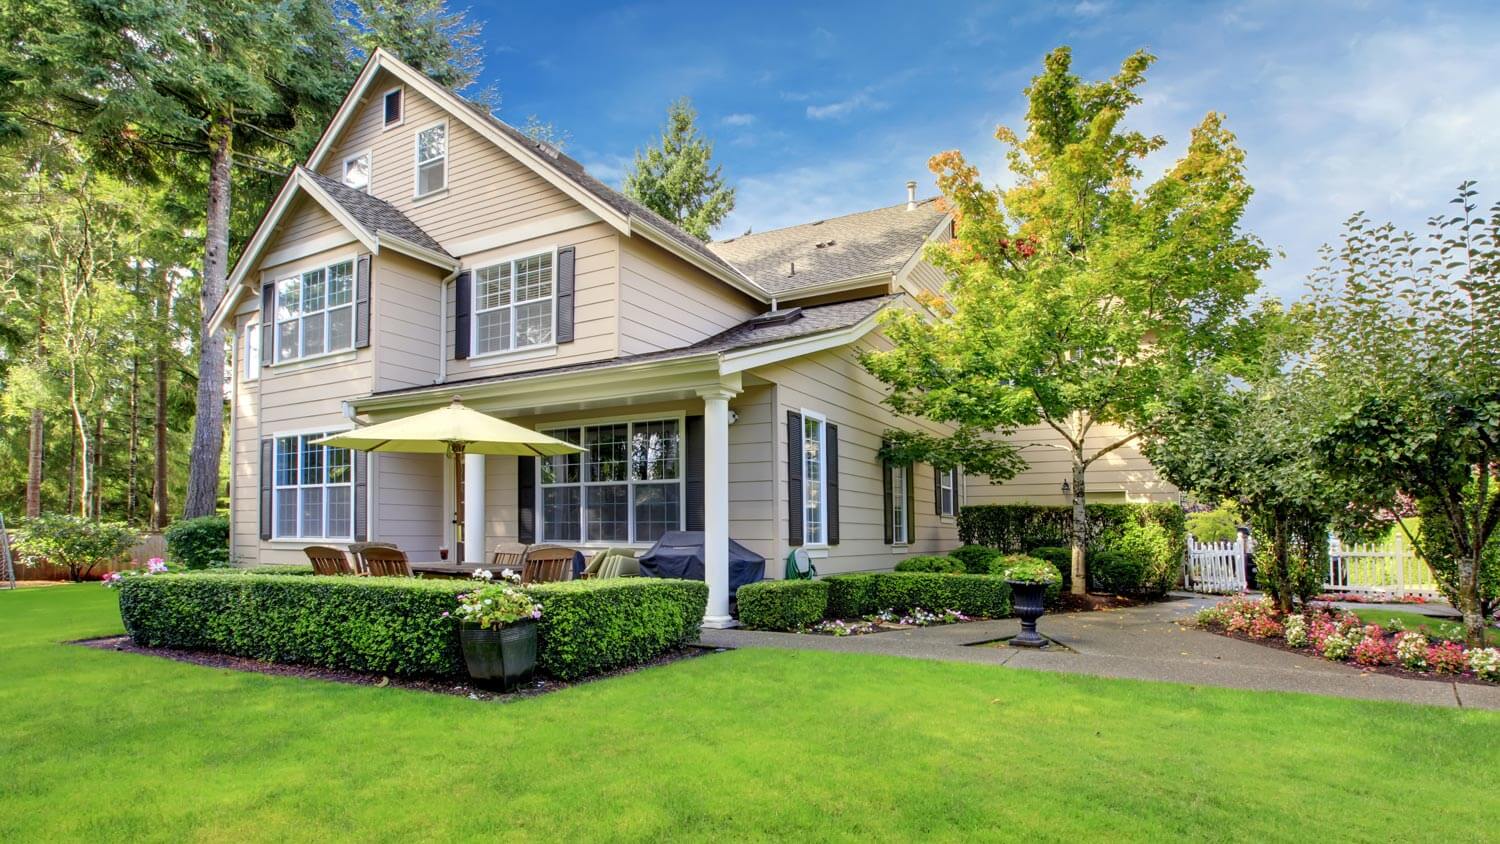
(427,250)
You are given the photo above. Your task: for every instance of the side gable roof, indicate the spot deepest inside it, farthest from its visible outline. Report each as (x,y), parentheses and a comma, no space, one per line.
(373,213)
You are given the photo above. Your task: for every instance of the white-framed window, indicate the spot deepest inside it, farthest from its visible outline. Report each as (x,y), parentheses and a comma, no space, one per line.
(898,504)
(432,159)
(948,492)
(315,312)
(314,489)
(393,107)
(250,349)
(514,304)
(626,488)
(814,480)
(357,171)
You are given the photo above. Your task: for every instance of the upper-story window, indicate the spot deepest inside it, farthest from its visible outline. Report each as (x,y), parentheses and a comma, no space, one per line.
(357,171)
(814,480)
(315,312)
(394,109)
(432,159)
(513,304)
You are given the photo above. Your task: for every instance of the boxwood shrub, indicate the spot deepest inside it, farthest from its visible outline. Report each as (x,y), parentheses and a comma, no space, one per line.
(199,543)
(783,604)
(1017,528)
(976,558)
(934,563)
(294,568)
(854,595)
(396,625)
(589,626)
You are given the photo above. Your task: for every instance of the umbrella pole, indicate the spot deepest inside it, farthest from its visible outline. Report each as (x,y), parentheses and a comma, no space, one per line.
(457,450)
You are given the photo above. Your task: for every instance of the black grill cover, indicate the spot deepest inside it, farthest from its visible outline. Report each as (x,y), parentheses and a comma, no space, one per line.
(679,554)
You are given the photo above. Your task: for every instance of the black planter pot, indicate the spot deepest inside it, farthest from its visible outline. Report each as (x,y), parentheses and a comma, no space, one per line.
(1029,600)
(501,658)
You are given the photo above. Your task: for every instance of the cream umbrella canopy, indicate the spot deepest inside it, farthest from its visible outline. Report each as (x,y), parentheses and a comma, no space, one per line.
(454,430)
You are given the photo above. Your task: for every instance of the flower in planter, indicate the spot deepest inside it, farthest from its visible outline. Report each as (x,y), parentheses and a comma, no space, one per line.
(1032,570)
(497,605)
(1411,651)
(1295,631)
(1485,663)
(1447,658)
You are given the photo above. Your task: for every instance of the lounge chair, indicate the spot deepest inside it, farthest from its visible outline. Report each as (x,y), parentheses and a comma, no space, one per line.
(613,562)
(328,561)
(547,564)
(387,562)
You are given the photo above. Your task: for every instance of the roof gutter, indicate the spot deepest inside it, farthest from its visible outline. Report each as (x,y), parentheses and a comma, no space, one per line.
(836,286)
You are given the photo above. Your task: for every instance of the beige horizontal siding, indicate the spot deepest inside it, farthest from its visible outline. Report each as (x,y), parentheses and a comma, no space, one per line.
(404,321)
(1122,475)
(666,303)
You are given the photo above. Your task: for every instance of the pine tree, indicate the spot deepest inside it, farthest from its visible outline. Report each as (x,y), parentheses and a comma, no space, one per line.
(677,180)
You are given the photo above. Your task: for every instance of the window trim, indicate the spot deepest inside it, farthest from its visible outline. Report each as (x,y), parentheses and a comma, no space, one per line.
(369,157)
(678,417)
(251,351)
(416,158)
(900,527)
(401,118)
(952,477)
(276,488)
(822,478)
(513,351)
(276,358)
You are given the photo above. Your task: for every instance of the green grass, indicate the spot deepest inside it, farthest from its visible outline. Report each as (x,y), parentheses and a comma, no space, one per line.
(101,745)
(1445,628)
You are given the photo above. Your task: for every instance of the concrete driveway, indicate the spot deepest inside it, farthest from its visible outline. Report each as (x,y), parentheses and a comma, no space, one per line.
(1142,643)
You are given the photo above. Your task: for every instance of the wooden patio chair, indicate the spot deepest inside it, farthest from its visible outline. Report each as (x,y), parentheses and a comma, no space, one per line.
(547,564)
(387,562)
(328,561)
(510,557)
(357,550)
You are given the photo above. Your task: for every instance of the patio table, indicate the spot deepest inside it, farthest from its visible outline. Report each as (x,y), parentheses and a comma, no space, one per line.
(445,569)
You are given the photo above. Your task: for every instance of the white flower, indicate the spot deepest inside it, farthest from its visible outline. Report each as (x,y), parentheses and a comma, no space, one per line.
(482,574)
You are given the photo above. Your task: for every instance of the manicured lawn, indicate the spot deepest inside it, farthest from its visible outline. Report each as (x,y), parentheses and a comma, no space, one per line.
(1441,627)
(754,744)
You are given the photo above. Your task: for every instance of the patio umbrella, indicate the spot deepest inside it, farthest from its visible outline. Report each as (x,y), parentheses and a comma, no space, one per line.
(454,430)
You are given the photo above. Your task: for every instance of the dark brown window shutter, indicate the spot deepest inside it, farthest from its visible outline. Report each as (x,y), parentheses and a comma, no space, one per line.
(267,476)
(793,478)
(911,502)
(462,301)
(695,485)
(887,499)
(268,323)
(361,496)
(362,268)
(831,467)
(565,262)
(526,499)
(937,490)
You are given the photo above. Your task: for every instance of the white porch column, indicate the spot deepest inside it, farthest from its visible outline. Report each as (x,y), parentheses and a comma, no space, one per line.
(716,505)
(474,540)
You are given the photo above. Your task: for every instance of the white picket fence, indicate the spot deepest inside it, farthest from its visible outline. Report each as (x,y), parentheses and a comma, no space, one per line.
(1386,570)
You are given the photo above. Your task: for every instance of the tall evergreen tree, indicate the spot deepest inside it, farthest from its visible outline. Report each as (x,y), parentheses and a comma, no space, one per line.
(677,178)
(444,44)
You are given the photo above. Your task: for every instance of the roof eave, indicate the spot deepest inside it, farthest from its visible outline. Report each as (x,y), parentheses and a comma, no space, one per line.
(839,285)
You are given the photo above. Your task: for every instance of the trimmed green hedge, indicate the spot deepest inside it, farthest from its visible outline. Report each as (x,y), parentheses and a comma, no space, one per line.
(591,626)
(933,563)
(783,604)
(977,559)
(854,595)
(201,543)
(295,568)
(396,625)
(379,625)
(1018,528)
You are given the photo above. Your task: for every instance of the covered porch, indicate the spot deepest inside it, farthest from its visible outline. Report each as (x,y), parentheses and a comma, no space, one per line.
(669,445)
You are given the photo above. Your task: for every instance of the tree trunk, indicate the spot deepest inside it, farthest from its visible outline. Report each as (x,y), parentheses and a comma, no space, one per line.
(72,466)
(132,473)
(1469,566)
(96,505)
(1281,559)
(159,446)
(34,465)
(208,427)
(1080,524)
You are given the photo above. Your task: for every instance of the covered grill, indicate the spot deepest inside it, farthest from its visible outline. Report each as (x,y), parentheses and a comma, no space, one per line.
(679,553)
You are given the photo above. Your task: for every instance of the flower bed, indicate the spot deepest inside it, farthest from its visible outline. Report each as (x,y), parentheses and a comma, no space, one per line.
(1340,636)
(886,620)
(1360,598)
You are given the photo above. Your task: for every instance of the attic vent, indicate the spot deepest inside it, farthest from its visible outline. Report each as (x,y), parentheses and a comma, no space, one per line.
(781,317)
(823,245)
(550,150)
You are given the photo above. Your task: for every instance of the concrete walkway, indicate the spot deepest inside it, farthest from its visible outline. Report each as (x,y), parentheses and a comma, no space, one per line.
(1143,643)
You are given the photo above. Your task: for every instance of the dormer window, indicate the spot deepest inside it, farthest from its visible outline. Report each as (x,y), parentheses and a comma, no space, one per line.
(357,171)
(432,159)
(393,108)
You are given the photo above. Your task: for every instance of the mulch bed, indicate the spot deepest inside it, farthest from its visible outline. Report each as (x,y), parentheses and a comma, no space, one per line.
(1388,670)
(438,685)
(1094,603)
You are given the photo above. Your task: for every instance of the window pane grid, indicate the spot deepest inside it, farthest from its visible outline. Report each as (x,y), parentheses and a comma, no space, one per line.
(814,515)
(626,488)
(898,504)
(513,304)
(314,489)
(315,312)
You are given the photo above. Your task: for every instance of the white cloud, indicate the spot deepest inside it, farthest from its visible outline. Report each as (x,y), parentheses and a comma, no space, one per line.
(738,119)
(1090,8)
(862,100)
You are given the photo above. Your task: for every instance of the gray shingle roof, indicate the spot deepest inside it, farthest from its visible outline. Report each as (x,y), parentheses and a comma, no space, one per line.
(746,335)
(374,214)
(833,250)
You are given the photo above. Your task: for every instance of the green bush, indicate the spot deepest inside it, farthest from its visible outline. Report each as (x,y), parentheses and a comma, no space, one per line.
(783,604)
(1221,524)
(1015,528)
(297,569)
(397,625)
(1053,595)
(379,625)
(932,563)
(200,543)
(976,558)
(1151,549)
(73,542)
(1112,571)
(855,595)
(590,626)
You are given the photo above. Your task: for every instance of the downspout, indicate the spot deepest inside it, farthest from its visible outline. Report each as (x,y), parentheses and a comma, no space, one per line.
(442,343)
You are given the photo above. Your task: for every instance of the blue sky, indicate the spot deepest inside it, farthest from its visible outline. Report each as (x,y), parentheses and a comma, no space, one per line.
(819,110)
